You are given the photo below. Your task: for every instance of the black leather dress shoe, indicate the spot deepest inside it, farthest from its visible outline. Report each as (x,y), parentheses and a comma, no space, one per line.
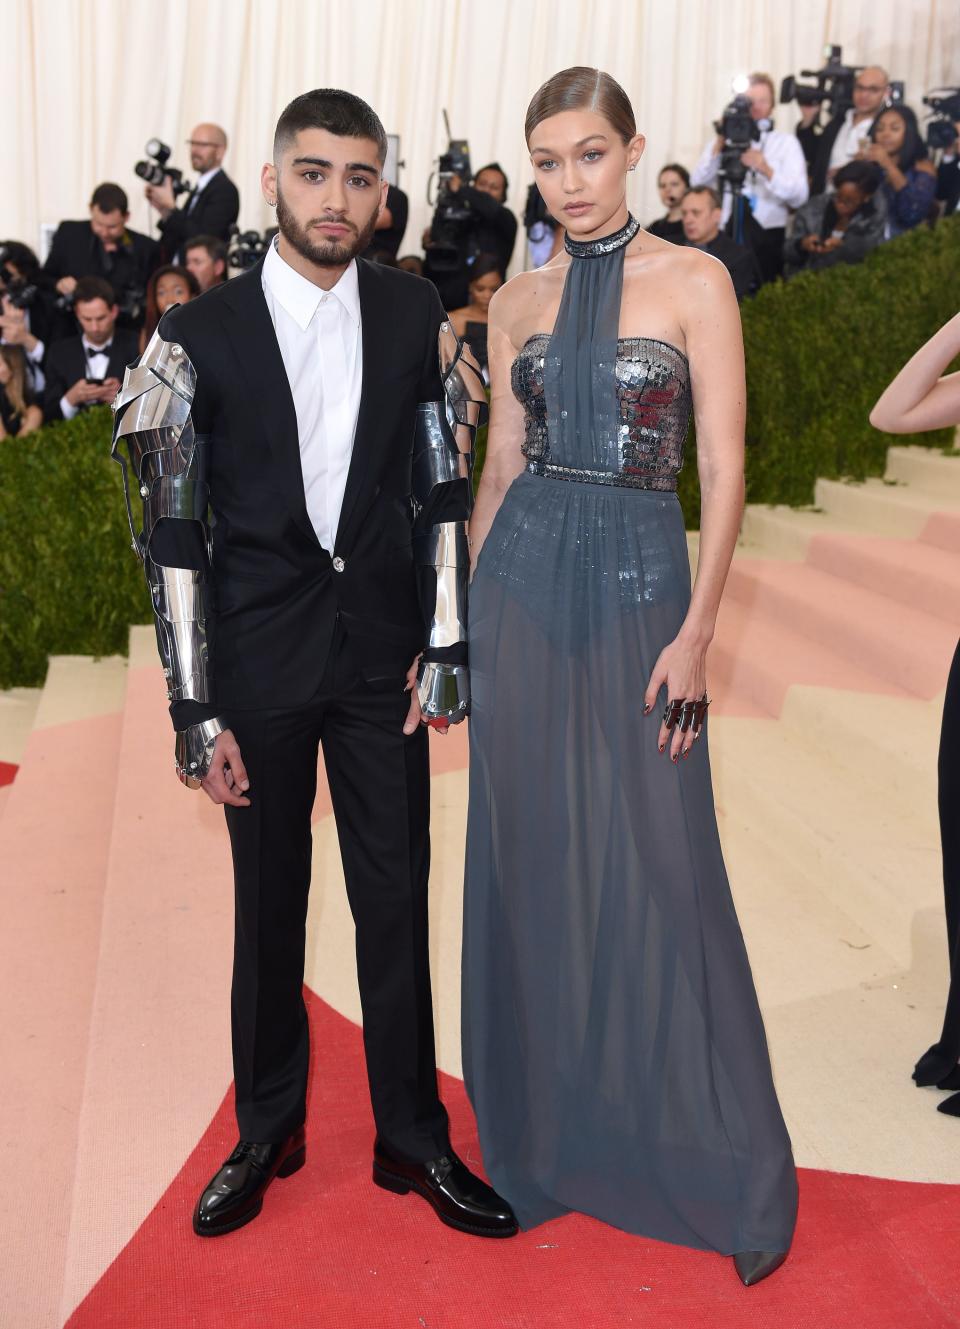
(754,1266)
(235,1195)
(458,1198)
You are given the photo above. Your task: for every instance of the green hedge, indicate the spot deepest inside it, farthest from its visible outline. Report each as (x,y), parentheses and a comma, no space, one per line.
(69,582)
(820,350)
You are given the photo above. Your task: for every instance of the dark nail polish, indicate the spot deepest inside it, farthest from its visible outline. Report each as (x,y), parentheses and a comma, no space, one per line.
(646,710)
(661,747)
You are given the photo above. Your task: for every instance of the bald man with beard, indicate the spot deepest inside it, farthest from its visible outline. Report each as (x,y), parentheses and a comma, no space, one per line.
(844,136)
(214,205)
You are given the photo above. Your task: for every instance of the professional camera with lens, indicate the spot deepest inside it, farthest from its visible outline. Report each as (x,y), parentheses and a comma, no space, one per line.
(739,130)
(157,170)
(248,247)
(452,218)
(942,126)
(18,290)
(833,88)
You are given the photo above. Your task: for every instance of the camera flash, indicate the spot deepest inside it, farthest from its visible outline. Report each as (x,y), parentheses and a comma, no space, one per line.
(740,83)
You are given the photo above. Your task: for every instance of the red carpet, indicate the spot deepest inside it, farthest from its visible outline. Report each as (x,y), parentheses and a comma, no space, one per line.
(330,1249)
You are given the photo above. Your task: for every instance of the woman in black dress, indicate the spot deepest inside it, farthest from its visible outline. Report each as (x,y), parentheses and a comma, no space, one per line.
(19,413)
(470,322)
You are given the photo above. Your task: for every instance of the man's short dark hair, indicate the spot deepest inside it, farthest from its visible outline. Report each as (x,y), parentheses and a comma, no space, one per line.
(495,166)
(214,246)
(93,288)
(705,189)
(334,110)
(677,169)
(110,198)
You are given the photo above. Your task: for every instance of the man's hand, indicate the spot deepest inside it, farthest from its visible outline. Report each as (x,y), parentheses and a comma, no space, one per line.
(161,196)
(226,781)
(109,389)
(67,285)
(13,326)
(415,716)
(83,393)
(756,161)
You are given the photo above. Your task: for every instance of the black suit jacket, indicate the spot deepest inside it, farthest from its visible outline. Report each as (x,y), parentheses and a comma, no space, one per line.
(277,594)
(76,252)
(215,211)
(739,261)
(66,362)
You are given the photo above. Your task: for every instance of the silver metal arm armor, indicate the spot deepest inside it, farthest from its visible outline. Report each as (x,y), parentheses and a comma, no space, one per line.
(443,500)
(167,462)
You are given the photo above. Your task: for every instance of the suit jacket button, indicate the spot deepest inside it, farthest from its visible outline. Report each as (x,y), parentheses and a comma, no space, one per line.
(338,564)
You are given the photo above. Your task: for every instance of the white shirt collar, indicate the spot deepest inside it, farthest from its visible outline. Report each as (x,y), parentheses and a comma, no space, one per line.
(205,179)
(300,297)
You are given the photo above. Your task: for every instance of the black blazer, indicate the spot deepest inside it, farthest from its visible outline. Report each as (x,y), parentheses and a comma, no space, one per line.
(215,211)
(76,252)
(276,591)
(66,362)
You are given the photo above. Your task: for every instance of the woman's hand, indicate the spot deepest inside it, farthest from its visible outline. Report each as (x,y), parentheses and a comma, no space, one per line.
(682,666)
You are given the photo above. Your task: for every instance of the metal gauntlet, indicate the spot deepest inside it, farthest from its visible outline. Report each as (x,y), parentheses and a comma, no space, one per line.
(443,500)
(167,461)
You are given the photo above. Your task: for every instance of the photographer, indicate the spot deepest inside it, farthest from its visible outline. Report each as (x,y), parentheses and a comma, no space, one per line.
(776,179)
(700,213)
(206,257)
(86,370)
(841,227)
(843,138)
(948,176)
(105,247)
(489,228)
(19,413)
(28,315)
(214,205)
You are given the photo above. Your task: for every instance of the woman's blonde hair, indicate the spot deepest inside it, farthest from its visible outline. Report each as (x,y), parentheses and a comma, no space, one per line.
(582,89)
(16,388)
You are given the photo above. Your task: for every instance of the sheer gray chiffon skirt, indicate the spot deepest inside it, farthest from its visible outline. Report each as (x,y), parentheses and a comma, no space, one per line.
(613,1048)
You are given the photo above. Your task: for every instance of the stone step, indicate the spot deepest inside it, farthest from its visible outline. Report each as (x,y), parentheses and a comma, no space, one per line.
(893,510)
(927,469)
(54,841)
(909,572)
(896,642)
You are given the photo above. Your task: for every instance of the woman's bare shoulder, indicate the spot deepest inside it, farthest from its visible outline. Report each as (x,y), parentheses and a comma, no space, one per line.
(515,306)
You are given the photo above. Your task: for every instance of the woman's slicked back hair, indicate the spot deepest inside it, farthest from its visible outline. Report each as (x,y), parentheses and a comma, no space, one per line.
(582,89)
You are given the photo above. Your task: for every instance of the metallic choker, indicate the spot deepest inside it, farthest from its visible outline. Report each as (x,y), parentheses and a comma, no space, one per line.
(605,245)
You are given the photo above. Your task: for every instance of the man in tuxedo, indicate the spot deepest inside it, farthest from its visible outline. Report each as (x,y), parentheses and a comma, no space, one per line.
(86,369)
(701,213)
(214,205)
(303,403)
(106,247)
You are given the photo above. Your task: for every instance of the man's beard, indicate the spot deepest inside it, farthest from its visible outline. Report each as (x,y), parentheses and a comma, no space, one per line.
(324,253)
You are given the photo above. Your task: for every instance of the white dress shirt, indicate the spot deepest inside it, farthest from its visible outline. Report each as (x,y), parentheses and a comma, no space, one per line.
(319,337)
(771,200)
(850,139)
(98,365)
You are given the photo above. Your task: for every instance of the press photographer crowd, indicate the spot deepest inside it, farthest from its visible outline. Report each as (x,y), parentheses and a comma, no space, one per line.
(856,170)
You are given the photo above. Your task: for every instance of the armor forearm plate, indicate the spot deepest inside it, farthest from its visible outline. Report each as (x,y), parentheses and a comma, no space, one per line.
(165,460)
(443,498)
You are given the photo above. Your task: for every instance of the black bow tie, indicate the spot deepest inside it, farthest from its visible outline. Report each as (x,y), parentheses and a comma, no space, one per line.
(97,350)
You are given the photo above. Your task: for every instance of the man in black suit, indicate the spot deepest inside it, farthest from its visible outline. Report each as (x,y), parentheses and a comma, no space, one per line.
(214,205)
(87,369)
(289,400)
(701,212)
(106,247)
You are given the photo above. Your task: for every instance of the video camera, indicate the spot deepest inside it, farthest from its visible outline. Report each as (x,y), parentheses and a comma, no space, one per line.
(739,130)
(452,218)
(945,104)
(248,247)
(157,170)
(834,85)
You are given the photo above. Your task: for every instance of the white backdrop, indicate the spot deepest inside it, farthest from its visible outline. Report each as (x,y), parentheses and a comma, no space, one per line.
(86,82)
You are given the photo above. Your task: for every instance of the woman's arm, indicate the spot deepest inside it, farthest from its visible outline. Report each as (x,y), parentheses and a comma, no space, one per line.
(504,459)
(715,351)
(32,419)
(912,201)
(921,397)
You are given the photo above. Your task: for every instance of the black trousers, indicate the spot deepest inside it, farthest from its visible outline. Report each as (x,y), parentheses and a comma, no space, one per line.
(380,789)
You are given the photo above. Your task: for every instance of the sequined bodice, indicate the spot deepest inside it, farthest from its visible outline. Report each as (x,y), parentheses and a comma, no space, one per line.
(653,392)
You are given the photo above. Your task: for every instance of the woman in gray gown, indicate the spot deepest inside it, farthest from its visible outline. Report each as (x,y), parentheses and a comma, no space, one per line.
(614,1050)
